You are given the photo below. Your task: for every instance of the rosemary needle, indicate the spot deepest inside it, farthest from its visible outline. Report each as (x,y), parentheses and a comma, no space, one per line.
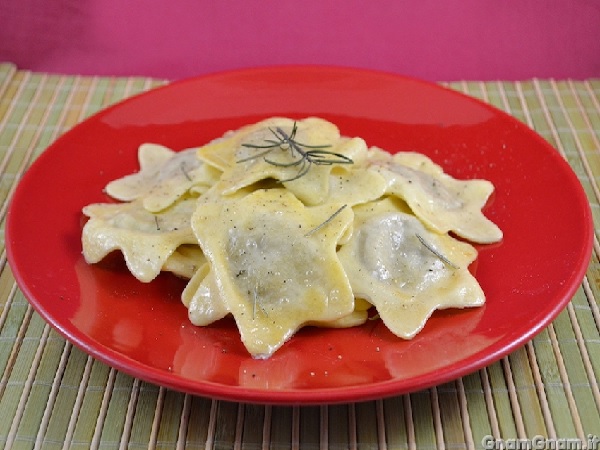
(256,302)
(435,252)
(314,230)
(184,171)
(255,299)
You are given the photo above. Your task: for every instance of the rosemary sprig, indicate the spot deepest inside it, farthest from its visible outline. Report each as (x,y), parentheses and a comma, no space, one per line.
(304,155)
(428,246)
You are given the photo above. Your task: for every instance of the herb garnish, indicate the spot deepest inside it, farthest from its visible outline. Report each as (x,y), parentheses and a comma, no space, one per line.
(256,302)
(318,227)
(304,155)
(429,247)
(184,171)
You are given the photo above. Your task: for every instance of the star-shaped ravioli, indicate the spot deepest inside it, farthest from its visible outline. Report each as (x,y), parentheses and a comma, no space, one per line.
(146,239)
(165,175)
(275,264)
(299,154)
(185,261)
(405,270)
(355,185)
(204,303)
(202,298)
(442,202)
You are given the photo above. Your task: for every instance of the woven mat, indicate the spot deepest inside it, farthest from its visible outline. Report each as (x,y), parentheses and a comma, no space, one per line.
(52,395)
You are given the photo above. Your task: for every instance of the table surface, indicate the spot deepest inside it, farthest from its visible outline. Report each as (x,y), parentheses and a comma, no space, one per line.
(53,395)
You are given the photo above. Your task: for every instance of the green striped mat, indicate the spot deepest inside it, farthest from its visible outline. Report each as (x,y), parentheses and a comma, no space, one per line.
(52,395)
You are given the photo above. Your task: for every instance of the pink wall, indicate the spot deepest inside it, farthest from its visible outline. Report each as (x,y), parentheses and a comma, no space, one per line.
(431,39)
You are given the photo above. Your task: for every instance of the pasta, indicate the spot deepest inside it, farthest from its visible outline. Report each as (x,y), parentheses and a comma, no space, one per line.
(284,224)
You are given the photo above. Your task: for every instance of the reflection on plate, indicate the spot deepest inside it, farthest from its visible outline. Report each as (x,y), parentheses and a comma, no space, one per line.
(142,329)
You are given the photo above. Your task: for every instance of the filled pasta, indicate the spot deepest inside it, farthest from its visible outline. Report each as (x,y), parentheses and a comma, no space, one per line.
(286,223)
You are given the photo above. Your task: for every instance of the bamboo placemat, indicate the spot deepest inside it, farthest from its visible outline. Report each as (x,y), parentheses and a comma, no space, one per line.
(52,395)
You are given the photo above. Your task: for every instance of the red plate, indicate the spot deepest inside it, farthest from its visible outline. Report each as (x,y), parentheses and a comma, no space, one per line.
(142,329)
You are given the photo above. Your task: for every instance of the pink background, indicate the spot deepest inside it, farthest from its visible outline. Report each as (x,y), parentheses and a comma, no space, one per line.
(430,39)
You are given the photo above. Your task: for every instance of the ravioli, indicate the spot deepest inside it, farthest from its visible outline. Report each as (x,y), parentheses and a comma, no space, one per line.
(226,151)
(254,154)
(288,223)
(202,298)
(353,186)
(146,239)
(275,263)
(164,177)
(442,202)
(185,261)
(405,270)
(205,305)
